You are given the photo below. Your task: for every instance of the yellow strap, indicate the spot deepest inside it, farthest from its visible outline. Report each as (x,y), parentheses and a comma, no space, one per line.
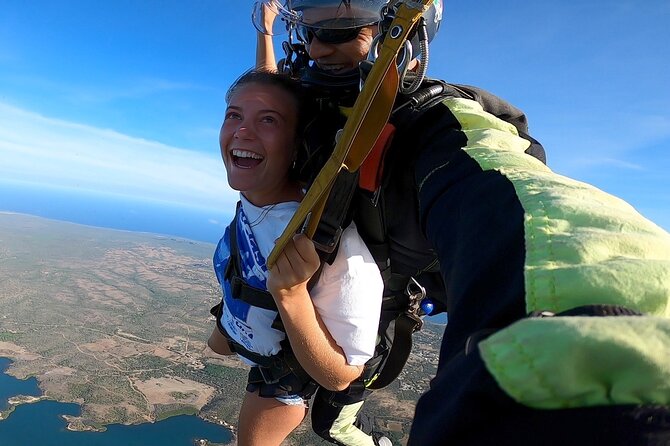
(370,113)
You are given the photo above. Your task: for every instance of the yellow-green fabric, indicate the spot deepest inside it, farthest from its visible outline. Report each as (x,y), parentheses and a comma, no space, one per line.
(563,362)
(344,430)
(583,247)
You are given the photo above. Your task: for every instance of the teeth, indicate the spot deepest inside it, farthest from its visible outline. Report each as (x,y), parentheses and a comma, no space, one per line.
(246,154)
(331,67)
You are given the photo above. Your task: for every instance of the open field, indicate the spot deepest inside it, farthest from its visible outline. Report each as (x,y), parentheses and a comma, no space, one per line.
(117,322)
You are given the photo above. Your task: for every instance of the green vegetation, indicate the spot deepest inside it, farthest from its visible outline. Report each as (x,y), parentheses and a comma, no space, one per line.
(6,336)
(146,362)
(80,391)
(118,413)
(172,410)
(220,372)
(182,395)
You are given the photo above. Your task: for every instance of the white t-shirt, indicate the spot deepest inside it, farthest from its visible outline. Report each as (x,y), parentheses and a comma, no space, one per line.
(347,295)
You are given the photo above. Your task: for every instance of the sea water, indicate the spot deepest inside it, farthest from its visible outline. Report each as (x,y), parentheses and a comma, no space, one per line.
(114,211)
(42,424)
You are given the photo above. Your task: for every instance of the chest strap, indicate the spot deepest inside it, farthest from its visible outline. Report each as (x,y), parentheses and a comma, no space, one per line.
(282,367)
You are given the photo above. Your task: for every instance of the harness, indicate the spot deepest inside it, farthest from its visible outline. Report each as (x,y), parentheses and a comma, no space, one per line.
(277,375)
(409,269)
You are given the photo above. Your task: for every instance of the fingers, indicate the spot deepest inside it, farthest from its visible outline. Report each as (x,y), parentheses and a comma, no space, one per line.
(297,263)
(305,248)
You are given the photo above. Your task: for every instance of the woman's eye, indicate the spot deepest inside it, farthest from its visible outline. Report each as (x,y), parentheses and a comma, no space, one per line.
(232,115)
(268,119)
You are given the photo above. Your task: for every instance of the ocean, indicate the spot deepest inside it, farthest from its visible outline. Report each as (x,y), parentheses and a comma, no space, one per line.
(42,423)
(116,212)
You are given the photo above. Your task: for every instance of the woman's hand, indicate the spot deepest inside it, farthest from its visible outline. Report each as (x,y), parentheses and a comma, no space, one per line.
(293,268)
(265,57)
(270,13)
(218,343)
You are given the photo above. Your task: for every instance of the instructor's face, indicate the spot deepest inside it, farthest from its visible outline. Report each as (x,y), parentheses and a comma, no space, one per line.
(339,58)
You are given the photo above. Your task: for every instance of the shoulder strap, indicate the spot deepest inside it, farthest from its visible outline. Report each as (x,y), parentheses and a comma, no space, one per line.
(240,289)
(335,216)
(397,356)
(272,368)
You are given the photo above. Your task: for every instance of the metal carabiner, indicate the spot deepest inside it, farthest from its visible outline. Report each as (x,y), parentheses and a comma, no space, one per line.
(416,294)
(402,61)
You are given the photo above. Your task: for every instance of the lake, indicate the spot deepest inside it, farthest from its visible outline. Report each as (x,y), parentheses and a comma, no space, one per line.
(42,424)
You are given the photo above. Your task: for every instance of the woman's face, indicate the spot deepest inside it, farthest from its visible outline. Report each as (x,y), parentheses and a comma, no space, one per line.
(257,141)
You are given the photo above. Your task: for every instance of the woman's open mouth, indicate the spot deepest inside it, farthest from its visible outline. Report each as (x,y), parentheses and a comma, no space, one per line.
(245,159)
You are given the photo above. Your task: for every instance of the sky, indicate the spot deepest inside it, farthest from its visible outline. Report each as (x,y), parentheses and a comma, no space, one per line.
(127,96)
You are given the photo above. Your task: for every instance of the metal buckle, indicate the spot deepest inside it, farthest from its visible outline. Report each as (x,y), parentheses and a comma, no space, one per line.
(416,294)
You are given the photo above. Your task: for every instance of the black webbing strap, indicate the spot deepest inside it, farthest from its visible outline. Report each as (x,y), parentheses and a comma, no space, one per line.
(400,350)
(590,310)
(270,369)
(594,310)
(234,258)
(275,368)
(239,288)
(335,214)
(252,295)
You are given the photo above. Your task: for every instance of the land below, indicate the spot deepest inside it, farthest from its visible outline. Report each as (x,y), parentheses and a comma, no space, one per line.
(117,322)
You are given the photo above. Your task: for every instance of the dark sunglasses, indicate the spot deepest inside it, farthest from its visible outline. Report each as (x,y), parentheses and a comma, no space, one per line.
(325,35)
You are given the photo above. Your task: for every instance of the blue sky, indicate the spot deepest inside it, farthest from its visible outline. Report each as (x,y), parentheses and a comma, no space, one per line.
(128,96)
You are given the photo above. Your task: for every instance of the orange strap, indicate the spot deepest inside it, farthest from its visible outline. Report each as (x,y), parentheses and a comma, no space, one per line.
(372,169)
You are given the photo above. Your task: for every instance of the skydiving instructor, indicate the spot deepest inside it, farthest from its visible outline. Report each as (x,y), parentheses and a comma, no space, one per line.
(558,294)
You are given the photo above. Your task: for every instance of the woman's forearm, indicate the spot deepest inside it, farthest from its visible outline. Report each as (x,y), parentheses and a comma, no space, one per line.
(312,344)
(265,57)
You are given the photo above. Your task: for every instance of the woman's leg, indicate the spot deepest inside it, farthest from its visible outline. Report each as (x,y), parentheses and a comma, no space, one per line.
(266,421)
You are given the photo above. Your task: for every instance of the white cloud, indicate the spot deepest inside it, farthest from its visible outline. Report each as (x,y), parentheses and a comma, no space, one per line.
(138,88)
(585,139)
(53,152)
(612,162)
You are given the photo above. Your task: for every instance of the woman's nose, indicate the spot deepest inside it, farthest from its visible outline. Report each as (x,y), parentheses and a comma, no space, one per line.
(244,131)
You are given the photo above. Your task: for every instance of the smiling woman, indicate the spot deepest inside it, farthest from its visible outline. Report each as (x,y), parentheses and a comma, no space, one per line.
(328,330)
(258,139)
